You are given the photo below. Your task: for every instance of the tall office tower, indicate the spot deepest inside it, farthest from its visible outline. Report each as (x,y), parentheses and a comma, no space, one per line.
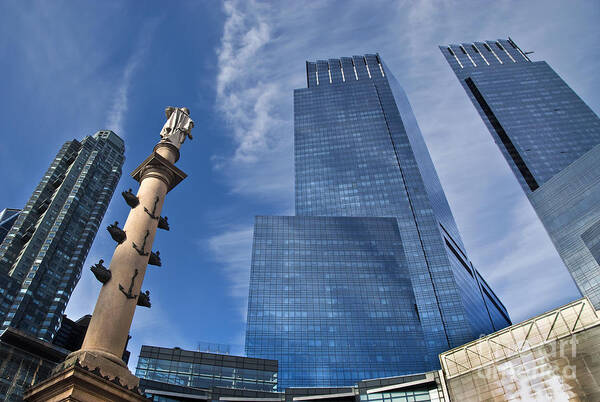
(8,216)
(370,278)
(42,256)
(551,140)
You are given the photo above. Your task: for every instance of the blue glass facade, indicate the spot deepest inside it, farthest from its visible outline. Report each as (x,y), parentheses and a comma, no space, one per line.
(591,238)
(359,153)
(42,255)
(569,207)
(539,123)
(332,299)
(542,128)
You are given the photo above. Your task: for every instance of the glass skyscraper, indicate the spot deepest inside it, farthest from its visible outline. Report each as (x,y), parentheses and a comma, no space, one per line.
(550,139)
(8,216)
(370,278)
(42,255)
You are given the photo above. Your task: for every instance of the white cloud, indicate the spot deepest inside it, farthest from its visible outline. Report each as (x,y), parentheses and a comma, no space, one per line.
(522,263)
(245,103)
(233,248)
(261,61)
(116,115)
(255,104)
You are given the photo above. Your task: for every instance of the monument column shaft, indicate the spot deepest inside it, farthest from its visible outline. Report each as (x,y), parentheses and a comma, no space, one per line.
(113,314)
(97,372)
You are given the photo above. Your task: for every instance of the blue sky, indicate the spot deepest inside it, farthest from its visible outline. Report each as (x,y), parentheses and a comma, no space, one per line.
(72,68)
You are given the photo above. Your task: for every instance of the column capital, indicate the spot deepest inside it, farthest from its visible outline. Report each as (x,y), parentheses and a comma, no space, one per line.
(159,167)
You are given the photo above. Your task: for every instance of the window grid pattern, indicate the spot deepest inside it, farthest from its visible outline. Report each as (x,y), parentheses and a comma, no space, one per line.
(425,395)
(7,219)
(206,370)
(20,370)
(546,358)
(331,300)
(569,207)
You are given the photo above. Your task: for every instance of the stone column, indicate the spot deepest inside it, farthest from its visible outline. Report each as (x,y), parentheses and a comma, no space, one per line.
(96,371)
(113,314)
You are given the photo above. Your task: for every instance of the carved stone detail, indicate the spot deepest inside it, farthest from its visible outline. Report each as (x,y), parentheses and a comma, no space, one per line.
(101,272)
(178,126)
(155,259)
(163,223)
(116,232)
(130,198)
(158,167)
(144,299)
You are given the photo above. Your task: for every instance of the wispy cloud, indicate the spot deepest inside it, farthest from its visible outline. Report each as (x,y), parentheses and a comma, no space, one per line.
(116,116)
(255,102)
(232,248)
(245,97)
(261,61)
(520,262)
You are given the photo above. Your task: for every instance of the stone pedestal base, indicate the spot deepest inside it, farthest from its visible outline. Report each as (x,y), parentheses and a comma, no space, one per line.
(87,376)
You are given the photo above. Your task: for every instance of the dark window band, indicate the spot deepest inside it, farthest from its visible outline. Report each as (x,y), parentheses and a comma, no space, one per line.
(510,147)
(459,258)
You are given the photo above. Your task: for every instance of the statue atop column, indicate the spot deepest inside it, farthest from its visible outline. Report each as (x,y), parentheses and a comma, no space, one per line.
(178,126)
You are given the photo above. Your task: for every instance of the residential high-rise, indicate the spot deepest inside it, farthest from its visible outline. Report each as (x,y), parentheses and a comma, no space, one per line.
(8,216)
(549,137)
(370,278)
(42,256)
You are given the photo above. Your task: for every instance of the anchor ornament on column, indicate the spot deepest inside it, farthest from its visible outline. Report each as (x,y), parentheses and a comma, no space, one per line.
(129,293)
(151,214)
(140,250)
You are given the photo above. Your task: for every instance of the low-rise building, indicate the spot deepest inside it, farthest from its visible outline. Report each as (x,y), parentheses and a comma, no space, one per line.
(203,371)
(554,356)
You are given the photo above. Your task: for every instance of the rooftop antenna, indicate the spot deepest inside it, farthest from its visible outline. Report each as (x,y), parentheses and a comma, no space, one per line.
(512,42)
